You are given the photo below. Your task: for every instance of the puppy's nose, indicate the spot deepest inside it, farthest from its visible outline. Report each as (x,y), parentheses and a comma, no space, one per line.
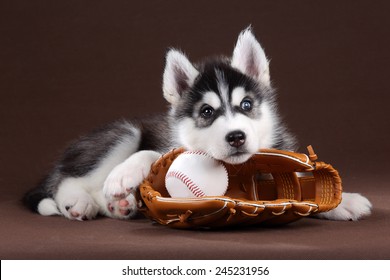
(236,138)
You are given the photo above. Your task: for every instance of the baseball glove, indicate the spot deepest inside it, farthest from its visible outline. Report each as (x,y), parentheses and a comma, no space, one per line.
(272,187)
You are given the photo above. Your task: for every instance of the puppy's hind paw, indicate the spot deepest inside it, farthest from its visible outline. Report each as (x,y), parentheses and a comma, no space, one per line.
(79,208)
(125,208)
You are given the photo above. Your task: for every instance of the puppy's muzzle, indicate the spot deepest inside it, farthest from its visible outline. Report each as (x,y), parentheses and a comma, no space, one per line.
(236,138)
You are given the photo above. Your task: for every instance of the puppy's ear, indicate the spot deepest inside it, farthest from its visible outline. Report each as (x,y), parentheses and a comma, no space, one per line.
(179,76)
(249,57)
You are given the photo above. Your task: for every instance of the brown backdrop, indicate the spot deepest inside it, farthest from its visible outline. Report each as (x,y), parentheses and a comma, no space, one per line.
(68,66)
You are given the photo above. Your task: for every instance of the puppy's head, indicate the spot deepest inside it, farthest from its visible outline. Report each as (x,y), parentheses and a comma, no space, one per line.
(223,106)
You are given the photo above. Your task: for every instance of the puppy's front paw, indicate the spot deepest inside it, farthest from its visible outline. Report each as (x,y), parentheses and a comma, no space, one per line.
(122,180)
(127,176)
(353,207)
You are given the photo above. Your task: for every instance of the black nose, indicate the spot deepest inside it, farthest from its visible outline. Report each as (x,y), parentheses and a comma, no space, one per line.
(236,138)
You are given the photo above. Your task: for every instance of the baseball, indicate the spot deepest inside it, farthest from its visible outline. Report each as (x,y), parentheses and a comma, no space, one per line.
(196,174)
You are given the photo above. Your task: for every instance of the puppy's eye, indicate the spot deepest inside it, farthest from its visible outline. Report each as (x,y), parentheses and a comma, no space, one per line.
(207,111)
(246,105)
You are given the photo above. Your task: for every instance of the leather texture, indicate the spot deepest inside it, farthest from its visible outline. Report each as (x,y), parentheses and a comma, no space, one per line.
(273,187)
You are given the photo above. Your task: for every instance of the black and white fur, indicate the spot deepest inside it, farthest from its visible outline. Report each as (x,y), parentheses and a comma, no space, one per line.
(225,107)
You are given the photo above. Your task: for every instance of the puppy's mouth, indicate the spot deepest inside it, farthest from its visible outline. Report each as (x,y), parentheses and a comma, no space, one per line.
(237,157)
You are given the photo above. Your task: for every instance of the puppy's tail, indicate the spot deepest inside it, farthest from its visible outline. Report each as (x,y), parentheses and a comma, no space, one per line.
(40,199)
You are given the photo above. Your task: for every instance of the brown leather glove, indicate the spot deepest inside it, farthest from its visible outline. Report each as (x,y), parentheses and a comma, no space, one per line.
(265,189)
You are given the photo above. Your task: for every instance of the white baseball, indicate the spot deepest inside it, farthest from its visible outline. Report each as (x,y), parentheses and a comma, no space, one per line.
(196,174)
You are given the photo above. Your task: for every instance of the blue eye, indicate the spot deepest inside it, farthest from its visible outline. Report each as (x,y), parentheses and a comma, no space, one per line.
(207,111)
(246,105)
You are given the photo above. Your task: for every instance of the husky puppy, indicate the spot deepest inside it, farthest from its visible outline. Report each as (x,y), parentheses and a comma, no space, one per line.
(223,106)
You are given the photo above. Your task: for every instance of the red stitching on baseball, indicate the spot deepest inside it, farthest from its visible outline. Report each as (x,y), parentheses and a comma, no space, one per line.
(188,182)
(196,153)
